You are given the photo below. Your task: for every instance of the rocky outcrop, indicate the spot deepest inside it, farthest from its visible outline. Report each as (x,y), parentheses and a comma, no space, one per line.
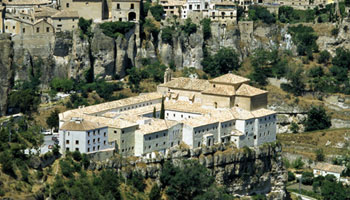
(6,55)
(243,172)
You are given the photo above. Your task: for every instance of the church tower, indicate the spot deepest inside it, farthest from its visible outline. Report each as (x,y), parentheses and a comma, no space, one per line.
(168,75)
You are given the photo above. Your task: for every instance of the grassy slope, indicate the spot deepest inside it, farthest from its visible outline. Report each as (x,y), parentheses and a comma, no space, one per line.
(306,143)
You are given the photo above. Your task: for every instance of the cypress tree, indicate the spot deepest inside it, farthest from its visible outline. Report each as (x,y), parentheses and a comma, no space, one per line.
(162,110)
(154,112)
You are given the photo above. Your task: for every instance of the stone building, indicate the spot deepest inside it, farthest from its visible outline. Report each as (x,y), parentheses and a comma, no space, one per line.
(196,112)
(99,10)
(172,7)
(65,20)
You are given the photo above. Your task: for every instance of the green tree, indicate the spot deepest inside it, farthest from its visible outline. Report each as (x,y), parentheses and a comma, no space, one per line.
(307,178)
(154,112)
(324,57)
(115,29)
(62,85)
(224,61)
(53,121)
(296,86)
(137,181)
(85,27)
(187,183)
(298,163)
(317,119)
(155,193)
(157,12)
(135,78)
(189,27)
(167,34)
(162,110)
(206,22)
(291,176)
(319,155)
(294,127)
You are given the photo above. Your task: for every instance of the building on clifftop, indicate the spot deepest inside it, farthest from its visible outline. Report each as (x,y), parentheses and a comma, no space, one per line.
(197,113)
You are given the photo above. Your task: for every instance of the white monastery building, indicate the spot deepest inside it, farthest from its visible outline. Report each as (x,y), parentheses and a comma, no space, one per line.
(197,113)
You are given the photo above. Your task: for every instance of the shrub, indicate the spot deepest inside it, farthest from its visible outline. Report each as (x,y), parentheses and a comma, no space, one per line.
(224,61)
(324,57)
(206,28)
(77,156)
(319,155)
(155,193)
(137,181)
(115,29)
(53,121)
(304,37)
(294,127)
(189,27)
(157,12)
(62,85)
(85,27)
(291,176)
(307,178)
(298,163)
(261,13)
(335,32)
(317,119)
(167,34)
(151,28)
(66,168)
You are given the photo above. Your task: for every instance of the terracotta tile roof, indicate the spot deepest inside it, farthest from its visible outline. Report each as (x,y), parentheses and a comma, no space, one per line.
(82,125)
(200,121)
(230,79)
(157,125)
(240,113)
(187,84)
(25,2)
(226,90)
(66,14)
(185,107)
(329,168)
(247,90)
(44,12)
(120,103)
(262,112)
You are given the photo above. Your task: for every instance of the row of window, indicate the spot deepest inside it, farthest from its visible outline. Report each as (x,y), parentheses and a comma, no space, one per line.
(98,140)
(131,6)
(137,106)
(164,143)
(98,132)
(268,124)
(128,149)
(156,137)
(93,148)
(268,118)
(182,116)
(24,29)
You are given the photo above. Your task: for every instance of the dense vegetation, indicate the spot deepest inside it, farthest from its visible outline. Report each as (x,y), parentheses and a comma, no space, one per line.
(224,61)
(26,97)
(116,29)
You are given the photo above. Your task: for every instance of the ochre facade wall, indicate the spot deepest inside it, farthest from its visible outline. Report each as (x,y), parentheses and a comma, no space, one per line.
(259,101)
(216,101)
(86,9)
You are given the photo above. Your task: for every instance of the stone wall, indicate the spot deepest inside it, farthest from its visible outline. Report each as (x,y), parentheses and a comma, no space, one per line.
(6,55)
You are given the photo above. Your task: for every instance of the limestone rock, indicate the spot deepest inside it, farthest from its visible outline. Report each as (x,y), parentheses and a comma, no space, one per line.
(6,55)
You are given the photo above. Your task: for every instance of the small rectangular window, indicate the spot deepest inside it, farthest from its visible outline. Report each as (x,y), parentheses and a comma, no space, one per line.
(118,6)
(67,141)
(67,5)
(37,30)
(76,141)
(23,30)
(77,149)
(88,150)
(13,27)
(47,29)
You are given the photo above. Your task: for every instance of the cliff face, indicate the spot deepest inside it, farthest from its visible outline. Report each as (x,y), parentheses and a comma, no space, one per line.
(6,71)
(258,171)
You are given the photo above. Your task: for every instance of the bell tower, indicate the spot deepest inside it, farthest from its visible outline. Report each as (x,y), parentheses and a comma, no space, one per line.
(168,75)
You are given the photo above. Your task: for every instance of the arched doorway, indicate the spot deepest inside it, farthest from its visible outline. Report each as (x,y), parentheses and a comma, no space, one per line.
(132,16)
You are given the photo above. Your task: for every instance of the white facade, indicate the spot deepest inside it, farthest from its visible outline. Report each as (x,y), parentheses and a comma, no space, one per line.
(318,172)
(85,141)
